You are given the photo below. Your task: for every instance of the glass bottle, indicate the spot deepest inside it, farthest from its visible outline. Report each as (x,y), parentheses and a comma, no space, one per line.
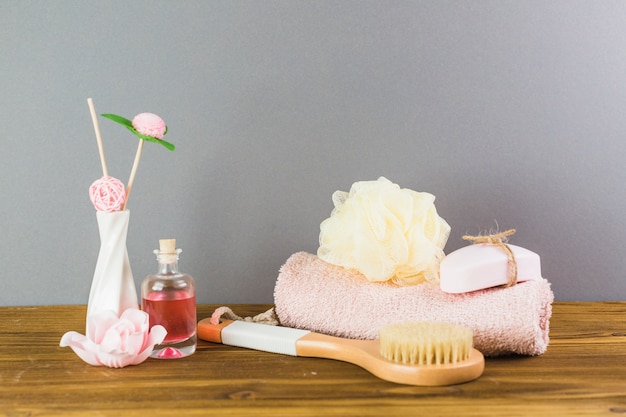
(169,298)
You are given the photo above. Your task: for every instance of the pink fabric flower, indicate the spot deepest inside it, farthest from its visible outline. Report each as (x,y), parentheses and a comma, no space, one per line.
(116,342)
(149,124)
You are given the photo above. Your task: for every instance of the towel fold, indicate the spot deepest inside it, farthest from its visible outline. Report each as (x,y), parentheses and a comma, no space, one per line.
(314,295)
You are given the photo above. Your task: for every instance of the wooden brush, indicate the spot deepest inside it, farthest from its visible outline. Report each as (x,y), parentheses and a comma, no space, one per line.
(427,354)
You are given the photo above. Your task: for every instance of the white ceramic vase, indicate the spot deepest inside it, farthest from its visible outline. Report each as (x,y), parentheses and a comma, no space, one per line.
(113,287)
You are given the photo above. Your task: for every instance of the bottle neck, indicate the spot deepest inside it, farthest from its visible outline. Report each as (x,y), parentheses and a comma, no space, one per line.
(168,265)
(168,268)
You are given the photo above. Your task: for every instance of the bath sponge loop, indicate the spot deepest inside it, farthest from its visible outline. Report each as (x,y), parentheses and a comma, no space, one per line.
(499,240)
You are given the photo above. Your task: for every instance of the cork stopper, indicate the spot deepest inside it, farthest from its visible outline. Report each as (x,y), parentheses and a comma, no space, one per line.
(167,246)
(167,252)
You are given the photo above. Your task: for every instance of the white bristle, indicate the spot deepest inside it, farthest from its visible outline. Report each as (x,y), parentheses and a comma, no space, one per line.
(425,343)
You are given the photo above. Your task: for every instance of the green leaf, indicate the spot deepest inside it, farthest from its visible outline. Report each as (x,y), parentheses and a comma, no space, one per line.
(167,145)
(118,119)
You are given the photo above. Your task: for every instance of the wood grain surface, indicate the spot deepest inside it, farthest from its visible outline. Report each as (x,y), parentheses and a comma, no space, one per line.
(582,373)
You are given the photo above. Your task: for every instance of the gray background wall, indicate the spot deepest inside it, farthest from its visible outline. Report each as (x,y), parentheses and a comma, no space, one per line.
(508,111)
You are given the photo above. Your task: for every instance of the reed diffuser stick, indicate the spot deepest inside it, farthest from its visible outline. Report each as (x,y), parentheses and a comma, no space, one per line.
(96,128)
(133,171)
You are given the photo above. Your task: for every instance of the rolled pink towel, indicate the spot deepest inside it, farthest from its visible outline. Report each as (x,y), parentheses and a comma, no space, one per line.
(314,295)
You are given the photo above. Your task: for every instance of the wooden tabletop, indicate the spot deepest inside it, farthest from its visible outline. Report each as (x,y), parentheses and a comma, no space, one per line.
(582,373)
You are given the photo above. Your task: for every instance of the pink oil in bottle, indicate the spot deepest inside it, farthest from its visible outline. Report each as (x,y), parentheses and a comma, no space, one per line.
(176,312)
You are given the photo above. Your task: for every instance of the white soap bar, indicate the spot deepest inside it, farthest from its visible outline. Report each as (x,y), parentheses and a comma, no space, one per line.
(481,266)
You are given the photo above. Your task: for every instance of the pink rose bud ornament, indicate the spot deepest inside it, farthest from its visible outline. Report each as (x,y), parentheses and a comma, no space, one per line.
(149,124)
(114,341)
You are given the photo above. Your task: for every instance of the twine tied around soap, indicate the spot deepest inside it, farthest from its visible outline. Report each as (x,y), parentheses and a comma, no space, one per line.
(499,240)
(268,317)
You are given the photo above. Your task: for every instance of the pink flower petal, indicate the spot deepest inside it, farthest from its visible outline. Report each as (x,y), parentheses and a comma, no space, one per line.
(139,318)
(156,336)
(99,323)
(116,359)
(82,346)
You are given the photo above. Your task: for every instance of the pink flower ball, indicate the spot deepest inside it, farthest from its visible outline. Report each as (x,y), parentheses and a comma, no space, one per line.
(107,194)
(149,124)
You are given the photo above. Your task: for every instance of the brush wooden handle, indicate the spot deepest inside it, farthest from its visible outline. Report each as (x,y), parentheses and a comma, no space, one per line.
(364,353)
